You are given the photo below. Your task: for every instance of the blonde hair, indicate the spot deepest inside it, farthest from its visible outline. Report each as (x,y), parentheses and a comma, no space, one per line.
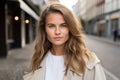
(75,48)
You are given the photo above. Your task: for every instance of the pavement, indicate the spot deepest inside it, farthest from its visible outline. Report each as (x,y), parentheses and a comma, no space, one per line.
(18,61)
(104,39)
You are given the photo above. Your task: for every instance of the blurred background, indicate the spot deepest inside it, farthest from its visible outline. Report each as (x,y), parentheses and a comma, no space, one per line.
(18,20)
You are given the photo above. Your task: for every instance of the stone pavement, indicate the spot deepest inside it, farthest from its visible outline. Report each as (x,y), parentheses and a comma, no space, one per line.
(18,61)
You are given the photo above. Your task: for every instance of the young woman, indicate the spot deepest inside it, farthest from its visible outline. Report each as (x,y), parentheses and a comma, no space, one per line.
(60,51)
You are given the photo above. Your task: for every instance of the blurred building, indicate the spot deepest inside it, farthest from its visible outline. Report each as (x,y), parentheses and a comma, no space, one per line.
(101,16)
(112,17)
(42,3)
(18,20)
(86,11)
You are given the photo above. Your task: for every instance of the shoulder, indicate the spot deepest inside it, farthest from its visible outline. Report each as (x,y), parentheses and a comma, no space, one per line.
(94,70)
(90,64)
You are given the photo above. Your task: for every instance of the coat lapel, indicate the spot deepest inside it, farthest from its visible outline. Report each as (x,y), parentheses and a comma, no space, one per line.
(41,70)
(38,74)
(71,75)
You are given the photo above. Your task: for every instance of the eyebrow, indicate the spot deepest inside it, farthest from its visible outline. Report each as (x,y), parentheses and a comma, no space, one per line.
(54,24)
(49,24)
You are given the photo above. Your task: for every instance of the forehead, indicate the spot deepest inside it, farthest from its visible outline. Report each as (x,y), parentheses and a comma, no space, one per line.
(55,18)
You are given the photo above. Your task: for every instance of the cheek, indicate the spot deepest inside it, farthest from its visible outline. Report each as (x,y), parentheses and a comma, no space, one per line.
(66,34)
(49,34)
(47,31)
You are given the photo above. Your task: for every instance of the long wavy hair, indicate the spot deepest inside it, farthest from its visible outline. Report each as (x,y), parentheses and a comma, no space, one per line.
(75,48)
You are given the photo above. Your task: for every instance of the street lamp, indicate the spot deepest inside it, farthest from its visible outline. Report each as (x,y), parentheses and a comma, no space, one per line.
(27,21)
(16,18)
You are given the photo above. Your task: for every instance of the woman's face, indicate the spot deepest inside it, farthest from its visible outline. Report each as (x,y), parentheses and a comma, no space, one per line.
(56,29)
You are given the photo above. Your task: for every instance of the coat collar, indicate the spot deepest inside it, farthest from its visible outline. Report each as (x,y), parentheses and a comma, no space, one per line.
(42,64)
(41,69)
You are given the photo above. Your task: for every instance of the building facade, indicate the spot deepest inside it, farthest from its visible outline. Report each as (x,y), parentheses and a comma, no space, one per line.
(101,16)
(86,11)
(18,20)
(112,17)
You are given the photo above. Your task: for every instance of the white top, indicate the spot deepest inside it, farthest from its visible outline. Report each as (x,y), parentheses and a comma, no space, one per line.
(55,67)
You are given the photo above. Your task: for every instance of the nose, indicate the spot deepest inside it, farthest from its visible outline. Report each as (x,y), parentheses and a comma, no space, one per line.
(57,31)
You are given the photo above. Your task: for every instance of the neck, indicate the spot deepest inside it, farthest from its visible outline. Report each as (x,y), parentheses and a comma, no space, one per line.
(57,50)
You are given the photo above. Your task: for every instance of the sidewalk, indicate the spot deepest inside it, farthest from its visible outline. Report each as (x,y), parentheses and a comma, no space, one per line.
(104,39)
(17,61)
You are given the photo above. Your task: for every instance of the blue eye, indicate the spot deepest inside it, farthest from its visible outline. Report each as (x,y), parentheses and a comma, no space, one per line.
(64,25)
(51,26)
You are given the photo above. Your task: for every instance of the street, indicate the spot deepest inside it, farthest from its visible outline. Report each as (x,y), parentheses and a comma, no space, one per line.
(108,53)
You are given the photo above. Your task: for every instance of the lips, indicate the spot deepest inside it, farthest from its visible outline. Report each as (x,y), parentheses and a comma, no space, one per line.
(57,38)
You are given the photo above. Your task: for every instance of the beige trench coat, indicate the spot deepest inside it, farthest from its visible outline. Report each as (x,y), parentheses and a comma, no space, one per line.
(94,71)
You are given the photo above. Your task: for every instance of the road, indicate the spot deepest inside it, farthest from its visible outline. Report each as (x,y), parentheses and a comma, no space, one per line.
(108,53)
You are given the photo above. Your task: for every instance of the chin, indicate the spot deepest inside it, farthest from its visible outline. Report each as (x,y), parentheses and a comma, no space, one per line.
(58,44)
